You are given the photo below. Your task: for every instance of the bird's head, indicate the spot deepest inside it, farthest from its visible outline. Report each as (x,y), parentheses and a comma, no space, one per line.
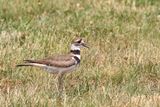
(78,43)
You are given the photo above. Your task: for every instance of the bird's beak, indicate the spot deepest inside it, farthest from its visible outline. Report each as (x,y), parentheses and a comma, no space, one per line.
(84,45)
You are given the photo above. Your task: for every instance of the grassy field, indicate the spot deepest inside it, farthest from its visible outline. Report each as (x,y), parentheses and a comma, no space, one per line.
(121,68)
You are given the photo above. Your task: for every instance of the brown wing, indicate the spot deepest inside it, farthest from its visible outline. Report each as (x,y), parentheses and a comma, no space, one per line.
(59,57)
(56,61)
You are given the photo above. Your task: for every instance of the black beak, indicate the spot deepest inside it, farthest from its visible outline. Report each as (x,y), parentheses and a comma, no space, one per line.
(84,45)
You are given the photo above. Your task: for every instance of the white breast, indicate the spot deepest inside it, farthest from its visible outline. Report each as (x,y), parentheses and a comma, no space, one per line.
(55,70)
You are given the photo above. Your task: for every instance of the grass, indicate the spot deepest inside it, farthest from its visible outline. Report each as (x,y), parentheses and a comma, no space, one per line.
(122,67)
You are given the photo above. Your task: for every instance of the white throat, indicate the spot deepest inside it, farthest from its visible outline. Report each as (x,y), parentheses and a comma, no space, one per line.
(73,47)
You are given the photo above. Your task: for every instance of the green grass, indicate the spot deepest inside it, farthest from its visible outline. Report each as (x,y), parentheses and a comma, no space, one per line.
(121,68)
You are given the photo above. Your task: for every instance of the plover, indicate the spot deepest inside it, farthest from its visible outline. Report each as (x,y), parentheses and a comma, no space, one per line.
(60,64)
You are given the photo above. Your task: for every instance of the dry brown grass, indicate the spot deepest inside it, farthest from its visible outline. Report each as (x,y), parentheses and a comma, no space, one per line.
(121,69)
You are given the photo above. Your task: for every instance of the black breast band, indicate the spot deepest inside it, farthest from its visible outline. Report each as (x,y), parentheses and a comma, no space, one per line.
(77,59)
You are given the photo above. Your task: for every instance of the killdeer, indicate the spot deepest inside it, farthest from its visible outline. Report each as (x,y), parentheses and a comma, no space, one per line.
(60,64)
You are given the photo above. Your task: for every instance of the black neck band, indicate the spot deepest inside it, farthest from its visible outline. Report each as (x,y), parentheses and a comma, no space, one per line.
(75,52)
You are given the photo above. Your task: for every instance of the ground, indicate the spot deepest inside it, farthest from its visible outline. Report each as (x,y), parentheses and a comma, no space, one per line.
(121,68)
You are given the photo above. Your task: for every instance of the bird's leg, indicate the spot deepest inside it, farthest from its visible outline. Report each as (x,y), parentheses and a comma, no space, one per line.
(60,83)
(59,100)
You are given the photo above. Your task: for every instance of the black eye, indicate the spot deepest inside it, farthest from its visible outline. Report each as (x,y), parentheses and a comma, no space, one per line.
(79,41)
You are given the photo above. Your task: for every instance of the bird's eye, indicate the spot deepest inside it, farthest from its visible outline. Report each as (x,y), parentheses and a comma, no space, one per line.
(79,41)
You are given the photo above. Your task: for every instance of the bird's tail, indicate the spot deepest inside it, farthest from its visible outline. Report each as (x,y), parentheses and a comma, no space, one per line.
(30,63)
(25,64)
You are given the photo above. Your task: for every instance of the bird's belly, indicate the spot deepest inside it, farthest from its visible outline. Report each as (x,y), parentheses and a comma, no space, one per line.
(56,70)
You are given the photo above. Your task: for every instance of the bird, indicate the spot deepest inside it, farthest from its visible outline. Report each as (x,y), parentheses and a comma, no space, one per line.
(60,64)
